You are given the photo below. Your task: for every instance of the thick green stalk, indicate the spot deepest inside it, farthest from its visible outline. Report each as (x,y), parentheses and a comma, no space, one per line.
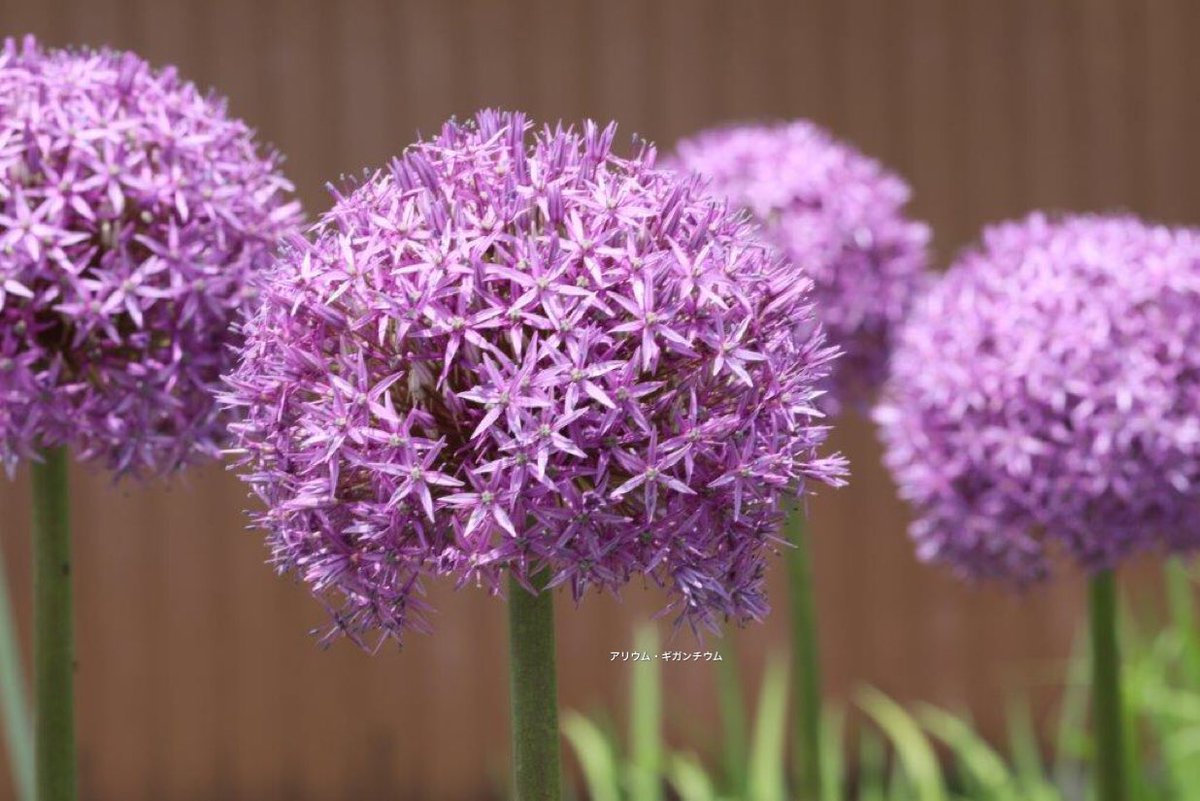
(52,642)
(14,702)
(537,770)
(1109,757)
(805,656)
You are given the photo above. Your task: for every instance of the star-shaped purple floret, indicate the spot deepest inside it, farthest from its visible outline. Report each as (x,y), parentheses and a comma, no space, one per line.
(1043,398)
(839,216)
(134,218)
(587,364)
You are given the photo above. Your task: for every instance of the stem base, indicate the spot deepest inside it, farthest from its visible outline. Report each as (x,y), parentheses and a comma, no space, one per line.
(807,686)
(537,772)
(1107,709)
(53,649)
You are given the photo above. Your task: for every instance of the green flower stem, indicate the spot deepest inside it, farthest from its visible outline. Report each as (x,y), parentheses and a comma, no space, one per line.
(537,770)
(52,645)
(1109,757)
(807,676)
(14,702)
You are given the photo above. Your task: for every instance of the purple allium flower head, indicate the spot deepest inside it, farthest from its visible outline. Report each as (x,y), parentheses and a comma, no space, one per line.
(133,214)
(504,353)
(839,216)
(1043,397)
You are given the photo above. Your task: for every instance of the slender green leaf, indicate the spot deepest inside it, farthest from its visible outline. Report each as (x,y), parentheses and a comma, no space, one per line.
(978,760)
(645,720)
(597,758)
(833,765)
(767,757)
(1181,599)
(14,698)
(734,750)
(1027,759)
(1073,742)
(913,749)
(872,767)
(689,780)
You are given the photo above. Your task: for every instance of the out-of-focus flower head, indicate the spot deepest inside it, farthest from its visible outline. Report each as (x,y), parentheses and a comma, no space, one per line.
(1043,397)
(838,216)
(510,352)
(133,216)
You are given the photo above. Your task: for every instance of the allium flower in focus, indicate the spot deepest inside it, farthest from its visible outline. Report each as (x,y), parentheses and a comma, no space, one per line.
(133,216)
(515,353)
(1044,395)
(838,216)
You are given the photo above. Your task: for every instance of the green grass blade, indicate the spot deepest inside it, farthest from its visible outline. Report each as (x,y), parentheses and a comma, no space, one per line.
(1023,745)
(1181,600)
(1184,743)
(1026,754)
(1178,706)
(689,780)
(913,749)
(1072,740)
(767,757)
(1147,659)
(733,719)
(14,698)
(1168,714)
(833,761)
(597,758)
(645,720)
(981,763)
(872,767)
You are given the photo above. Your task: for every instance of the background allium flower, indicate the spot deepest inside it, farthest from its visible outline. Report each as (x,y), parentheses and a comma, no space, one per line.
(1044,397)
(502,354)
(133,214)
(839,216)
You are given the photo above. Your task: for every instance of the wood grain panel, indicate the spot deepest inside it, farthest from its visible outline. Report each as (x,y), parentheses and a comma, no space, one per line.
(197,677)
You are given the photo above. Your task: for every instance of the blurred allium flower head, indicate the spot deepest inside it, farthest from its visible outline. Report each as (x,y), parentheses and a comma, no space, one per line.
(838,216)
(133,214)
(514,352)
(1044,395)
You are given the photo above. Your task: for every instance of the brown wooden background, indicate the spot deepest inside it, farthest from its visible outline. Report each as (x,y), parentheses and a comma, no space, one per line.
(197,679)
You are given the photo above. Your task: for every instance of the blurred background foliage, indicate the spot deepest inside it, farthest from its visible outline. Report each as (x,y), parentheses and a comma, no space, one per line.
(879,750)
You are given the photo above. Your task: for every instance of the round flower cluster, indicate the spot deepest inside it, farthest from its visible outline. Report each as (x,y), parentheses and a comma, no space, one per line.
(133,214)
(839,216)
(522,352)
(1044,396)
